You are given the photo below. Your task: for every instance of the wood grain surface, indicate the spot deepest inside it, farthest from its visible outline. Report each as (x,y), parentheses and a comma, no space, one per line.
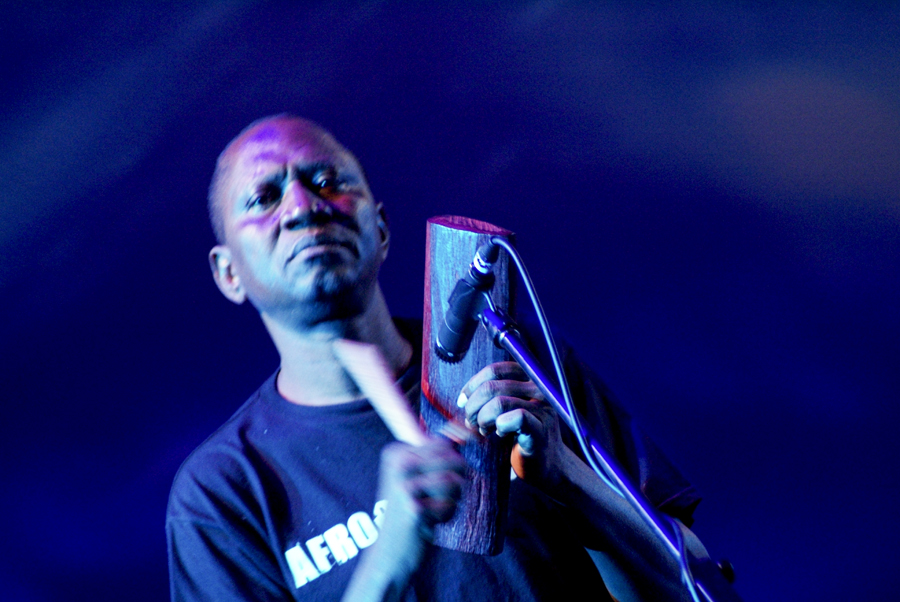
(451,241)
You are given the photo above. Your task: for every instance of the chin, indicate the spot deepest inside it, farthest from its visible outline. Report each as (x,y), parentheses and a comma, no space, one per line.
(337,298)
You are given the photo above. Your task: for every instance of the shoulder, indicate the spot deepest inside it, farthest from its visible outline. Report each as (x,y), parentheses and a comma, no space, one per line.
(220,468)
(217,520)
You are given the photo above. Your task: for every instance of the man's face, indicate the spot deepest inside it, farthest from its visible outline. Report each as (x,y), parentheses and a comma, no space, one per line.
(303,239)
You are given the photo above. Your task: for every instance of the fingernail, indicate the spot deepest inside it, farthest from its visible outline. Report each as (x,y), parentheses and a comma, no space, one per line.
(461,400)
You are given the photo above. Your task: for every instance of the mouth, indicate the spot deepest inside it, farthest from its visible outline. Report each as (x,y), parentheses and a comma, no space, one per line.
(321,243)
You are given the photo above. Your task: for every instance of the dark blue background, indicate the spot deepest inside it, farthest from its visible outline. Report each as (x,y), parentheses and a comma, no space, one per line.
(707,195)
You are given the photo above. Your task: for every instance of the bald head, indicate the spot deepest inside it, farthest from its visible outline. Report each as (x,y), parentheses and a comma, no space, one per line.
(270,130)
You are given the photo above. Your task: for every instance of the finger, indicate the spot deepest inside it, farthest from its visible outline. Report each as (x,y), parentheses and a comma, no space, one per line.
(487,415)
(438,485)
(437,511)
(495,371)
(492,389)
(437,495)
(426,531)
(402,459)
(441,457)
(528,428)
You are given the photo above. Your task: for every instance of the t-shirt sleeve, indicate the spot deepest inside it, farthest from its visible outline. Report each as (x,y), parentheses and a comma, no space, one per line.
(216,548)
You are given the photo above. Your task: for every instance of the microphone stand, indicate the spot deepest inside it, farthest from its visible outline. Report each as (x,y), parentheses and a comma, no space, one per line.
(706,575)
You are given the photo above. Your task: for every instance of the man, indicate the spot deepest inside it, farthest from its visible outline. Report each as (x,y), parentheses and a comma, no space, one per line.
(303,495)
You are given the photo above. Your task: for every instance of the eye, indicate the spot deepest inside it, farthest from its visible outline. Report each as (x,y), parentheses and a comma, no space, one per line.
(264,197)
(328,182)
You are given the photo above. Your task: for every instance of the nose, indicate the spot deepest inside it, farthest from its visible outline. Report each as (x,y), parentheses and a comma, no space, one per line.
(299,206)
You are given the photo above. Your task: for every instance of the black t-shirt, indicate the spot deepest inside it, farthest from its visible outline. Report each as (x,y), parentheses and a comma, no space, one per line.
(280,501)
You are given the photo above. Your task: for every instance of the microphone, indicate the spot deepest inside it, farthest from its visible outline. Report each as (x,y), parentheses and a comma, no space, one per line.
(468,299)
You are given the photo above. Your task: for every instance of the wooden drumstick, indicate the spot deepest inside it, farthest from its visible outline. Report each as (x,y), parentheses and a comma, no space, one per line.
(369,370)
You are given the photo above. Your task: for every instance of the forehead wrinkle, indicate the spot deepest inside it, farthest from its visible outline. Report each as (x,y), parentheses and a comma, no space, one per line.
(278,139)
(289,150)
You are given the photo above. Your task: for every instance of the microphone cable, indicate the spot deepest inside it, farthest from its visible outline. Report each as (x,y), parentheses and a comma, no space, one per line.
(678,546)
(557,364)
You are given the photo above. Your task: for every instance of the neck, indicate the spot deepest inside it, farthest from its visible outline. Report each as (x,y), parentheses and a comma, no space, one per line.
(311,375)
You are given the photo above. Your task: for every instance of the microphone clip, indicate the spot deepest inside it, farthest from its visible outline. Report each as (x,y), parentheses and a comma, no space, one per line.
(470,297)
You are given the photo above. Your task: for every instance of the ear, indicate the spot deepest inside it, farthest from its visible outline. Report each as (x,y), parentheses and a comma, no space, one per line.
(223,273)
(384,230)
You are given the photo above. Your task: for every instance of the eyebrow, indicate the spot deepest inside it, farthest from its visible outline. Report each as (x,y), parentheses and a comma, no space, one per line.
(315,167)
(275,177)
(341,166)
